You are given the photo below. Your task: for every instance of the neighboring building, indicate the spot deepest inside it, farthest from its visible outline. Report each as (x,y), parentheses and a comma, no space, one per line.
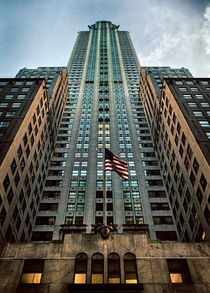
(181,134)
(150,91)
(28,125)
(25,149)
(87,263)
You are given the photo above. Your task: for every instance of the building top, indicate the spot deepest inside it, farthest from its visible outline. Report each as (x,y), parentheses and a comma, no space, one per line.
(16,98)
(50,74)
(193,98)
(158,73)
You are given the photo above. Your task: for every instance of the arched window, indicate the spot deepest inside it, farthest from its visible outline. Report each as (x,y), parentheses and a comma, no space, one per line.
(97,269)
(113,268)
(130,268)
(80,270)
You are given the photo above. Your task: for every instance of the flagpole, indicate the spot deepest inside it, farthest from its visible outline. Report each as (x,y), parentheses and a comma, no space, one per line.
(105,197)
(105,192)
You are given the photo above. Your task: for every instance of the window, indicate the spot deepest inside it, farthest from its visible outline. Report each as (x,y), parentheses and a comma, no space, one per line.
(32,271)
(197,113)
(80,270)
(130,269)
(6,182)
(4,124)
(16,105)
(97,269)
(178,271)
(203,104)
(3,105)
(113,268)
(204,123)
(192,104)
(203,182)
(187,96)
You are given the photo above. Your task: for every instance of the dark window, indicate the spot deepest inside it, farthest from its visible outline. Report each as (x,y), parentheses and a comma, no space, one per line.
(78,220)
(2,216)
(6,182)
(199,195)
(97,269)
(178,270)
(189,151)
(159,206)
(19,151)
(203,182)
(183,138)
(195,165)
(130,268)
(207,215)
(113,268)
(176,140)
(25,139)
(166,235)
(156,193)
(13,166)
(27,151)
(163,220)
(10,196)
(178,127)
(29,128)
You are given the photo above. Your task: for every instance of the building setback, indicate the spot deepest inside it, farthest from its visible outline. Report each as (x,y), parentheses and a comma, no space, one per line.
(181,135)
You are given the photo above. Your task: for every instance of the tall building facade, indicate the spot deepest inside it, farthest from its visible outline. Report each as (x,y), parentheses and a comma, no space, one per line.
(28,126)
(103,110)
(180,130)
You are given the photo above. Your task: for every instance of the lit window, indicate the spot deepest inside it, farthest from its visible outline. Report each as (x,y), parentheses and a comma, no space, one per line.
(80,272)
(178,270)
(75,173)
(32,271)
(97,269)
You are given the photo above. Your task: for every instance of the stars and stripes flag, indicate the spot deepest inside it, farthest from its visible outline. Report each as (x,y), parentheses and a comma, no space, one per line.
(114,163)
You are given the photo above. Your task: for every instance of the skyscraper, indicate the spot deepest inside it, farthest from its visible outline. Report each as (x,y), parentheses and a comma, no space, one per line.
(88,227)
(103,110)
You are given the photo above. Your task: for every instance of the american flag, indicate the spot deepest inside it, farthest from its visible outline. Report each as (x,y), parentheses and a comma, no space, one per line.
(114,163)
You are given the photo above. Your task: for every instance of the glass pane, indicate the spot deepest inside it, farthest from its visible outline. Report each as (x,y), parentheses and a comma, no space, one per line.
(80,279)
(31,278)
(114,280)
(176,278)
(97,279)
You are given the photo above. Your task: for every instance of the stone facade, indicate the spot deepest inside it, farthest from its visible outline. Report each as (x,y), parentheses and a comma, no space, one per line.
(59,263)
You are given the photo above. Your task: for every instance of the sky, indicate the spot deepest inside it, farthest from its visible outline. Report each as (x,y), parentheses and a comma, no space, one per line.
(172,33)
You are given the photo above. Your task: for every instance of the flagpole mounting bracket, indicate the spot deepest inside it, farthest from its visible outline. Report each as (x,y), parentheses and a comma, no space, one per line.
(105,230)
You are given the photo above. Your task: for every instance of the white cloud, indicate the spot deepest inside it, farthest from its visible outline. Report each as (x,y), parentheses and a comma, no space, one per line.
(187,45)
